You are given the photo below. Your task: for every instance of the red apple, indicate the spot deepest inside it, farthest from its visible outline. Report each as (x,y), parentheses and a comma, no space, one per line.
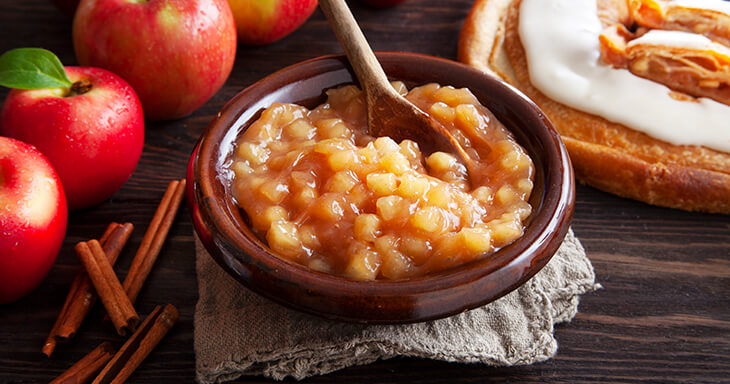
(175,53)
(33,218)
(382,3)
(264,21)
(93,134)
(68,7)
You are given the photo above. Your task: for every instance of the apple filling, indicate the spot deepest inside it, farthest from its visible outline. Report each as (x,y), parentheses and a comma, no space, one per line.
(675,43)
(325,194)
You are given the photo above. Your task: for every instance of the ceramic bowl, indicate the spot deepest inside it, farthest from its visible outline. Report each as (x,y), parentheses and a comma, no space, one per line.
(222,227)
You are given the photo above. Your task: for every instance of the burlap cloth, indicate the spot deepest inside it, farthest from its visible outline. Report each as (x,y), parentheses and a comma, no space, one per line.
(238,332)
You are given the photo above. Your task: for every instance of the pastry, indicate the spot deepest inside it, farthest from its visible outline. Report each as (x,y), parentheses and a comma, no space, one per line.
(648,119)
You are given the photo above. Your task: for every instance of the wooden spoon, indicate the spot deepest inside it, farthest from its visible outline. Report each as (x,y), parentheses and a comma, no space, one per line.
(389,113)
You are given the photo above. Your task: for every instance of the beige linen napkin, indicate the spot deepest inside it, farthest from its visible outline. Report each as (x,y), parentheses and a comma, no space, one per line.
(238,332)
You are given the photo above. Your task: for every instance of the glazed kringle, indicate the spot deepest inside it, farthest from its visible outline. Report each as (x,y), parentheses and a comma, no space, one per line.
(611,156)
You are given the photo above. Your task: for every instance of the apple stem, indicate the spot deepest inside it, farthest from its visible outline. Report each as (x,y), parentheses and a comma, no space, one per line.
(80,87)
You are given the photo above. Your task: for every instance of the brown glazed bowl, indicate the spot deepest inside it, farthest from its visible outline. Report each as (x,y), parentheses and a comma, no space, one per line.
(222,227)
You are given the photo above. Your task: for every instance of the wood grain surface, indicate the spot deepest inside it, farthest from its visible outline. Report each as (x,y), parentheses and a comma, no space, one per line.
(663,315)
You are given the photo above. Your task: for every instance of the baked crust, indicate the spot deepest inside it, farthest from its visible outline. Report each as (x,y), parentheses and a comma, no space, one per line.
(605,155)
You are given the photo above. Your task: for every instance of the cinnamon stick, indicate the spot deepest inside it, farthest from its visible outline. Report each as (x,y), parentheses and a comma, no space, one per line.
(85,369)
(154,238)
(110,229)
(107,285)
(139,345)
(82,296)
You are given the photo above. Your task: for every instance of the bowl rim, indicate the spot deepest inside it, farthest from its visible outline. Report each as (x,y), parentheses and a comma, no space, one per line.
(215,228)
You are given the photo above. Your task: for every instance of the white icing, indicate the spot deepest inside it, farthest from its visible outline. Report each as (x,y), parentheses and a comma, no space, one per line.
(563,56)
(679,39)
(672,39)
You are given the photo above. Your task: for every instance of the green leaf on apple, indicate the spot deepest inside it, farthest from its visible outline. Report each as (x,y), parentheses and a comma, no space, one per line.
(32,68)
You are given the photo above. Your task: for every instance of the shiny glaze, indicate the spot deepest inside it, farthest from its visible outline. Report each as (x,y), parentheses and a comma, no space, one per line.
(231,243)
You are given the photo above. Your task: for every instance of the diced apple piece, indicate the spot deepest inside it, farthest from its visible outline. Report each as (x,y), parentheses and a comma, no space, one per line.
(476,240)
(440,162)
(412,187)
(389,207)
(241,169)
(504,231)
(255,154)
(342,181)
(366,227)
(328,207)
(466,118)
(305,197)
(440,196)
(300,129)
(395,162)
(273,214)
(505,195)
(441,112)
(382,184)
(274,191)
(418,249)
(385,145)
(395,265)
(283,238)
(399,87)
(364,264)
(454,97)
(342,160)
(428,219)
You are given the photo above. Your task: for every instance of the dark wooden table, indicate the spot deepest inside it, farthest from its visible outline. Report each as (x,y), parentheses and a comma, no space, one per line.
(662,317)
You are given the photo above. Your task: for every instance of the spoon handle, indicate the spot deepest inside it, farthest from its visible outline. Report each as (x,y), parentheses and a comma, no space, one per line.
(361,56)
